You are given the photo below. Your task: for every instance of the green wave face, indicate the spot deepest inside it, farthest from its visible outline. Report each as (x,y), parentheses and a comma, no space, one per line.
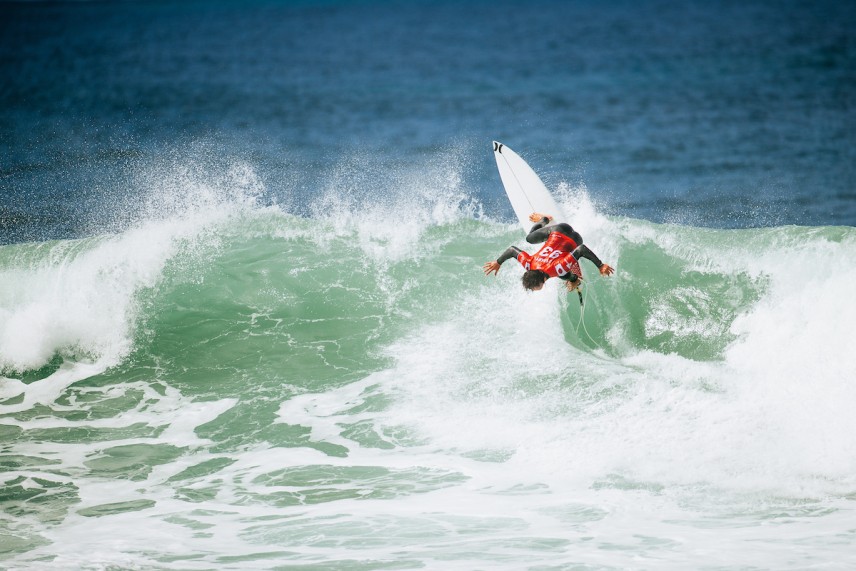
(294,384)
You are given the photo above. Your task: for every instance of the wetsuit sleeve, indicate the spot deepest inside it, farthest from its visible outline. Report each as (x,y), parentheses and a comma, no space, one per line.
(511,252)
(584,252)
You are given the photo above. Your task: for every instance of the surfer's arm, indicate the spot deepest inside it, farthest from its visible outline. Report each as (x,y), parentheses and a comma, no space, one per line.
(583,251)
(493,267)
(511,252)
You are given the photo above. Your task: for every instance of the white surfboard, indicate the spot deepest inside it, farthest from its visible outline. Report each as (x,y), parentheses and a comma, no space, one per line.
(524,189)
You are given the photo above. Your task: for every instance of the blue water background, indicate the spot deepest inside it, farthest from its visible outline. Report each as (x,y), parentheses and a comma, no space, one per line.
(724,114)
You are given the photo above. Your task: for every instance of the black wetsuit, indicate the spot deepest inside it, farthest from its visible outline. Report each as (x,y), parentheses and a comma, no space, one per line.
(541,231)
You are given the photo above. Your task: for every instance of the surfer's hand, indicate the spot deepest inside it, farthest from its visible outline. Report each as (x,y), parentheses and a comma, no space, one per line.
(491,267)
(606,270)
(573,286)
(536,217)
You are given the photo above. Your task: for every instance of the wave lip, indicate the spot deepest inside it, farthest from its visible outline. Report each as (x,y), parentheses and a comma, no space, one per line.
(77,297)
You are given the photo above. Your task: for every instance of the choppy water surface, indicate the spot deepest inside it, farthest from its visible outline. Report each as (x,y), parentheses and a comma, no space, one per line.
(243,323)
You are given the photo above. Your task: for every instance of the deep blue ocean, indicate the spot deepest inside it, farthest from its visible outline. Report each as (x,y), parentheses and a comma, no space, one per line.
(244,324)
(719,114)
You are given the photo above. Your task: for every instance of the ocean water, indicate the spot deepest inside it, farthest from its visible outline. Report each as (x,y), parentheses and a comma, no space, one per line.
(243,323)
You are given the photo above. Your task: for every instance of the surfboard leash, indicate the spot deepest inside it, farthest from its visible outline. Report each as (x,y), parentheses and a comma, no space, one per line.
(582,320)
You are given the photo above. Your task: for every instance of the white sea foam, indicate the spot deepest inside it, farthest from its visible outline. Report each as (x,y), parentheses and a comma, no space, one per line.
(771,417)
(81,298)
(82,302)
(491,438)
(389,210)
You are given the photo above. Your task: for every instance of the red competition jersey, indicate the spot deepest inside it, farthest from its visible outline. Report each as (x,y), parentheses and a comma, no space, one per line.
(555,257)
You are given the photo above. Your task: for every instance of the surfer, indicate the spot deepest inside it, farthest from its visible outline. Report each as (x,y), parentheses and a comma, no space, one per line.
(558,257)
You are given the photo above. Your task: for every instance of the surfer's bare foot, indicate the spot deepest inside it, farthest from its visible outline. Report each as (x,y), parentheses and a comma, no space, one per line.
(536,217)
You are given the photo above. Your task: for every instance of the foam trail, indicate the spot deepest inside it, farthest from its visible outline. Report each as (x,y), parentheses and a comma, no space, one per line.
(47,390)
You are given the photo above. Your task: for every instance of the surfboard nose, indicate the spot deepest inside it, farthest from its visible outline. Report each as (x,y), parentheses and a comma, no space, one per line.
(497,147)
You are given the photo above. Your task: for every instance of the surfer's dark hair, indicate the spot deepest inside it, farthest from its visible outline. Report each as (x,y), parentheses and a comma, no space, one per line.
(534,278)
